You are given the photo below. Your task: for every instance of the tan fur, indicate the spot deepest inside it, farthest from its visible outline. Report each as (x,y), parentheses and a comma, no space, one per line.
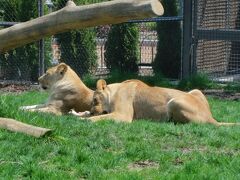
(134,99)
(67,92)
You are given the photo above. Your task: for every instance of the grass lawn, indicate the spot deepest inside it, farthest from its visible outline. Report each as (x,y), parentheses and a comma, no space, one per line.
(107,150)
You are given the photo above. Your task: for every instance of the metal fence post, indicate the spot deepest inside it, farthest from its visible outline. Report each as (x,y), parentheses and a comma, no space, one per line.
(187,39)
(41,42)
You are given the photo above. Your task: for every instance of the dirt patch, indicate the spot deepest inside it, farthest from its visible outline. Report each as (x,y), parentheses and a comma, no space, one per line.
(221,94)
(186,150)
(178,161)
(140,165)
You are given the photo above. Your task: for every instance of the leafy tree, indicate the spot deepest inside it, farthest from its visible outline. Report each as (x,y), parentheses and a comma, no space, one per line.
(122,48)
(168,57)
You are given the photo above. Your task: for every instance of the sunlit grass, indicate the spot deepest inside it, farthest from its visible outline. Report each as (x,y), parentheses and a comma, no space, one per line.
(81,149)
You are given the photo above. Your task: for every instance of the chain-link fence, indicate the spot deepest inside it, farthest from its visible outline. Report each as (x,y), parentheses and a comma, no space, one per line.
(217,38)
(20,64)
(28,62)
(147,46)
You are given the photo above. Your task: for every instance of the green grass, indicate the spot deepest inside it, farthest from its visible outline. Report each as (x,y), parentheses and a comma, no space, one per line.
(81,149)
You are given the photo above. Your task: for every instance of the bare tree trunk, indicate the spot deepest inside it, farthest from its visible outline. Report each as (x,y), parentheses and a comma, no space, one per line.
(77,17)
(16,126)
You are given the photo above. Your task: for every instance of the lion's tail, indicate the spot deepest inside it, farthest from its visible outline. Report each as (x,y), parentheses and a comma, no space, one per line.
(216,123)
(227,124)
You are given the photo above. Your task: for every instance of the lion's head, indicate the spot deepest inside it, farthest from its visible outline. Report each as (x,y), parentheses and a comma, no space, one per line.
(101,99)
(52,76)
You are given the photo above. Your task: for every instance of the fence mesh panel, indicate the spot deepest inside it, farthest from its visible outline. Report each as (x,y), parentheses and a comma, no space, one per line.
(20,64)
(218,40)
(23,64)
(6,11)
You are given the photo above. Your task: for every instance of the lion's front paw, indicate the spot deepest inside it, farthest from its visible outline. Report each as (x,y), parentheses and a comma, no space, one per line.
(27,107)
(80,114)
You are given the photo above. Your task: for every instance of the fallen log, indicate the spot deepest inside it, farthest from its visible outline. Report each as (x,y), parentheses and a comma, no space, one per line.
(77,17)
(16,126)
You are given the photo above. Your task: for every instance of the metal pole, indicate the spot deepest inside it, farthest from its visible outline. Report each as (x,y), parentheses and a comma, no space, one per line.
(187,39)
(194,40)
(40,43)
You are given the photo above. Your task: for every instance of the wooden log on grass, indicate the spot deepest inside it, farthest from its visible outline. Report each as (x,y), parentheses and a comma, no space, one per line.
(16,126)
(77,17)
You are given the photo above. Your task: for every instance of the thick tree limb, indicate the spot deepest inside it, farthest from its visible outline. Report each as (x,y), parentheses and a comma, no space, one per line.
(77,17)
(16,126)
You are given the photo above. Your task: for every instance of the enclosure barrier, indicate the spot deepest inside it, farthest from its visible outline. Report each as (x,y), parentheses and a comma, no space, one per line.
(216,39)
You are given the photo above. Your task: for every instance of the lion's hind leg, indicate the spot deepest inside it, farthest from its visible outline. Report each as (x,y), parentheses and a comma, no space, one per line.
(200,96)
(186,108)
(176,112)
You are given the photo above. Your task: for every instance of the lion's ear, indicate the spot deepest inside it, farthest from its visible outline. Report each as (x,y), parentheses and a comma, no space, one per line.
(101,84)
(62,68)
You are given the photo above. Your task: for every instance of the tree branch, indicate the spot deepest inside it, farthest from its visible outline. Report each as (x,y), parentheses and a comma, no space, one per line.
(16,126)
(77,17)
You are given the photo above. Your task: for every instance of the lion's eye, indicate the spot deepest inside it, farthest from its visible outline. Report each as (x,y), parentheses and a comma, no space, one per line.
(105,112)
(95,101)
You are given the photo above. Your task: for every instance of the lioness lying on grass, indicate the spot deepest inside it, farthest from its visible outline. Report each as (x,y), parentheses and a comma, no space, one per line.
(67,92)
(133,99)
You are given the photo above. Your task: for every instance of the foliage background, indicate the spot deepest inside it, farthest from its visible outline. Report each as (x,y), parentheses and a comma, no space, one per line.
(78,47)
(168,57)
(122,48)
(21,63)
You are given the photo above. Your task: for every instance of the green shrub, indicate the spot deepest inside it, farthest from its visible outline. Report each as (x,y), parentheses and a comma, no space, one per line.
(168,57)
(232,87)
(20,63)
(78,47)
(196,81)
(78,50)
(122,48)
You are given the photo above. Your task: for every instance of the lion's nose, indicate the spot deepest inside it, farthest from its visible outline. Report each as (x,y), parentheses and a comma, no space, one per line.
(44,87)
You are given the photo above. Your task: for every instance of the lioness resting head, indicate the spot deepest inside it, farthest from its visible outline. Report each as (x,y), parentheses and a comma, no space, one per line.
(133,99)
(67,92)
